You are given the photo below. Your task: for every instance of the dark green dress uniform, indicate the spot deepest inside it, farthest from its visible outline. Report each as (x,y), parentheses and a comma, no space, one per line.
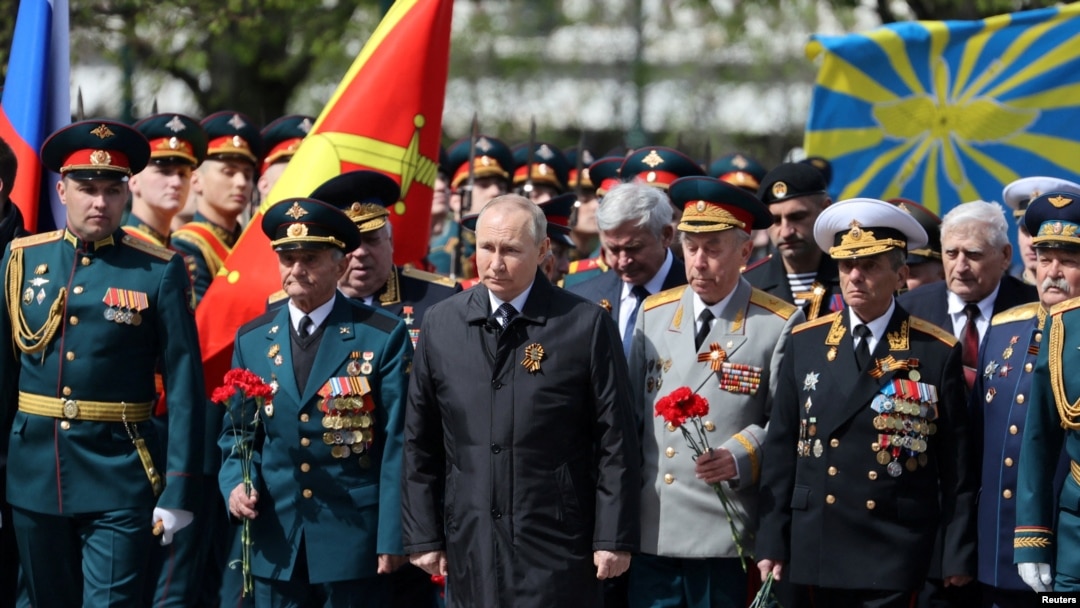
(327,462)
(205,245)
(861,467)
(604,173)
(282,138)
(87,323)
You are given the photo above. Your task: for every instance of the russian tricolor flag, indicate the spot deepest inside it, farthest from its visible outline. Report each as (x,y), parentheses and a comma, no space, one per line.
(36,102)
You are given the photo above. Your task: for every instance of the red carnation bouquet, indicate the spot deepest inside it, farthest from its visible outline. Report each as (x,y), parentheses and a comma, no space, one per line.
(683,405)
(240,388)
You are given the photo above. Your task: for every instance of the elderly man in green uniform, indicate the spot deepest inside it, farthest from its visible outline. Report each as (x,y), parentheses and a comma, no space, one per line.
(1046,544)
(93,476)
(324,503)
(159,192)
(224,183)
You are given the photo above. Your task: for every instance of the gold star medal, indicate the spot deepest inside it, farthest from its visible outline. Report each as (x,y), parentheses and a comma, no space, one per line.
(534,353)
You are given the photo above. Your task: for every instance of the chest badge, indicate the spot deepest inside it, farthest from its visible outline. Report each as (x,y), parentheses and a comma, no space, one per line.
(811,381)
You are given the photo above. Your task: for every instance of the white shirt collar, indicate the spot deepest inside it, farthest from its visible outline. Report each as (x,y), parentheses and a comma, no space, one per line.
(317,316)
(986,305)
(877,326)
(518,303)
(716,309)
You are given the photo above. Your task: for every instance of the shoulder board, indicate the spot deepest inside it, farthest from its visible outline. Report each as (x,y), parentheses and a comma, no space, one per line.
(154,250)
(663,297)
(277,296)
(825,320)
(1022,312)
(757,263)
(927,327)
(772,303)
(1065,306)
(373,317)
(37,239)
(430,277)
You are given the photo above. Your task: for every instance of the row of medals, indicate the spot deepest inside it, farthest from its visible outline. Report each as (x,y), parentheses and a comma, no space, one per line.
(910,429)
(351,431)
(125,316)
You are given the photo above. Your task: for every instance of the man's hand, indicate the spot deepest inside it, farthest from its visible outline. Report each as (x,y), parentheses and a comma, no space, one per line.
(432,562)
(1037,576)
(389,563)
(715,466)
(957,580)
(241,505)
(610,564)
(766,566)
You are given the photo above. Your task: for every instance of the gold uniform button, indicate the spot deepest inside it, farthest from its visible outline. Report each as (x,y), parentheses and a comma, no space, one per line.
(870,505)
(670,427)
(305,467)
(304,441)
(832,471)
(670,452)
(834,443)
(669,479)
(70,356)
(65,425)
(73,320)
(830,499)
(85,261)
(67,391)
(1020,399)
(1027,367)
(709,426)
(1038,337)
(872,475)
(78,289)
(304,417)
(1013,430)
(308,493)
(1007,494)
(1008,462)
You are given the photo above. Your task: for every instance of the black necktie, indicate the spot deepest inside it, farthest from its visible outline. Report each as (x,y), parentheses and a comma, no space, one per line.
(639,293)
(862,351)
(703,331)
(506,313)
(306,325)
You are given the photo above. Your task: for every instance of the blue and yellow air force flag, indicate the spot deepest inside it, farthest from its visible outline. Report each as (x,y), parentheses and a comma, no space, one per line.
(948,112)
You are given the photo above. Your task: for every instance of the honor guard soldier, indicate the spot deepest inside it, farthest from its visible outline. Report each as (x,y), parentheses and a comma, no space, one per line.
(739,170)
(224,183)
(924,263)
(1017,195)
(325,504)
(93,475)
(584,231)
(1002,396)
(370,275)
(867,452)
(159,192)
(658,167)
(548,175)
(442,220)
(281,139)
(605,173)
(798,272)
(722,335)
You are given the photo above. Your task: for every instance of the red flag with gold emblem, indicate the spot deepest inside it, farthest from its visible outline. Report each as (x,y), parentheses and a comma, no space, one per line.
(385,116)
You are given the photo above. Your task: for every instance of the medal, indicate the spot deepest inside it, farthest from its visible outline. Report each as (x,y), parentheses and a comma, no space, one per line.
(923,459)
(365,368)
(914,375)
(818,448)
(353,368)
(278,360)
(269,409)
(911,465)
(810,381)
(110,313)
(883,457)
(831,355)
(894,469)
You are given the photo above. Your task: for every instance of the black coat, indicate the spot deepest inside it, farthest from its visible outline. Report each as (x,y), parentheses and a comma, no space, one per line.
(931,302)
(770,276)
(520,476)
(606,289)
(834,513)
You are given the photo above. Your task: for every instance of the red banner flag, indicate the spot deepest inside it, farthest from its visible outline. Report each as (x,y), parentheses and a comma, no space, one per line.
(386,116)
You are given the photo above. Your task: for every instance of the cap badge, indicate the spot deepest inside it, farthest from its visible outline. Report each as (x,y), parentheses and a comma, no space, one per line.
(650,177)
(779,189)
(100,157)
(483,144)
(355,208)
(237,141)
(296,211)
(545,152)
(587,157)
(237,122)
(1059,201)
(305,125)
(174,143)
(904,207)
(176,125)
(856,230)
(652,159)
(103,132)
(701,205)
(739,162)
(584,175)
(297,230)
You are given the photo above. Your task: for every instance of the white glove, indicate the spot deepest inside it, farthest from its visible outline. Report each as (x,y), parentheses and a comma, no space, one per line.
(172,521)
(1037,576)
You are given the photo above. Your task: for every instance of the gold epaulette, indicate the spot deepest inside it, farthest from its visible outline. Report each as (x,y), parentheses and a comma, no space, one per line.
(826,320)
(659,299)
(277,296)
(145,247)
(1022,312)
(771,303)
(430,277)
(37,239)
(927,327)
(1061,307)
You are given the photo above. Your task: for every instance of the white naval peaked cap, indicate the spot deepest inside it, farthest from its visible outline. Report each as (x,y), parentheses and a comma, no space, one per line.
(861,227)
